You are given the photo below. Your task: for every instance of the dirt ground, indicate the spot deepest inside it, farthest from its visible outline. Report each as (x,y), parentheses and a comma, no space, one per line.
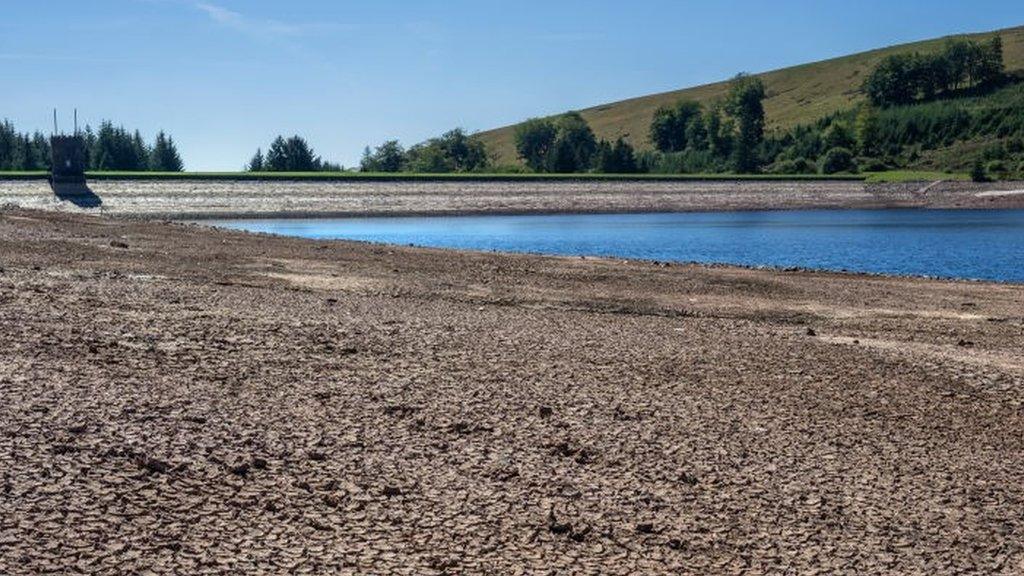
(175,399)
(195,199)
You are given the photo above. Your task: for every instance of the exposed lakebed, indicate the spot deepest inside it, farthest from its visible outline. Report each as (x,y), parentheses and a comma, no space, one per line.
(973,244)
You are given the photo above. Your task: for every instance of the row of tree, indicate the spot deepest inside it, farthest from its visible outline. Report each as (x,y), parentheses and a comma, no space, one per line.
(293,154)
(453,151)
(727,136)
(728,133)
(960,65)
(109,148)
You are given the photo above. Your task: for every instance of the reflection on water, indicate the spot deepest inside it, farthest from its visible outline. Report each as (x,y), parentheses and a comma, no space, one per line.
(981,244)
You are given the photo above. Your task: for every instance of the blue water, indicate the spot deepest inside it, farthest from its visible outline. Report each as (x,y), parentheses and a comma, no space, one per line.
(978,244)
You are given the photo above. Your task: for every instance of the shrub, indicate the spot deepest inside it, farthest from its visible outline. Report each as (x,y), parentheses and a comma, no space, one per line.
(838,160)
(795,166)
(997,167)
(978,172)
(872,165)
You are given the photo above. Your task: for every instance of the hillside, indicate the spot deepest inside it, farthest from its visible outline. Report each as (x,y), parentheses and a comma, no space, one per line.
(796,95)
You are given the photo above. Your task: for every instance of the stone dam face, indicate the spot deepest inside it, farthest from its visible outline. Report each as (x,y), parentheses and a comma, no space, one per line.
(208,198)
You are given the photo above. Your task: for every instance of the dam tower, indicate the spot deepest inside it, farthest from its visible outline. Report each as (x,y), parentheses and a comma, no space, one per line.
(67,155)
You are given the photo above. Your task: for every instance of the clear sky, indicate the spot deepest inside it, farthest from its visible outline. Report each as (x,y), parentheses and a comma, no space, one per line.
(225,76)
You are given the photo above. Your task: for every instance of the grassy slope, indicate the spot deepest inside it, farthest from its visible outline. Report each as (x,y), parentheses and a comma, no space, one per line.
(795,95)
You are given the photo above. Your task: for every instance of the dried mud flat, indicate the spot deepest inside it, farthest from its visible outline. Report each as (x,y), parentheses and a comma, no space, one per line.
(181,400)
(195,199)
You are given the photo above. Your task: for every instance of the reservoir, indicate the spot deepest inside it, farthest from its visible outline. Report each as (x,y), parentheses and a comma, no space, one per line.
(972,244)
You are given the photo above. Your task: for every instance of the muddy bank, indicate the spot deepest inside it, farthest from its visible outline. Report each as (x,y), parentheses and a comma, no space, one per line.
(178,399)
(194,199)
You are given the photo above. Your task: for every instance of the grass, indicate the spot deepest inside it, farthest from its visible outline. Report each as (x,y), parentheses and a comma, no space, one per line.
(797,95)
(401,176)
(912,176)
(24,175)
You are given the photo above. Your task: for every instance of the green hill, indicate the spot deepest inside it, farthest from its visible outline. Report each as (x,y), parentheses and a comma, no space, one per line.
(797,95)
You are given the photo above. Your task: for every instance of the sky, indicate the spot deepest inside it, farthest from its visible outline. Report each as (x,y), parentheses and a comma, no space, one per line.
(223,77)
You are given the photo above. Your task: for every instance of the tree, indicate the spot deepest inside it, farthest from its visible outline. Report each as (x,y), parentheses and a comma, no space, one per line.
(664,131)
(745,104)
(890,82)
(838,160)
(903,78)
(867,129)
(990,69)
(463,152)
(277,156)
(429,158)
(839,135)
(670,128)
(301,157)
(565,144)
(164,156)
(619,158)
(116,149)
(256,163)
(720,133)
(562,157)
(576,133)
(388,157)
(978,172)
(534,140)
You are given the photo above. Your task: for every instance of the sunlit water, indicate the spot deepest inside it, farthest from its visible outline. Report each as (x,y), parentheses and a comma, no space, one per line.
(978,244)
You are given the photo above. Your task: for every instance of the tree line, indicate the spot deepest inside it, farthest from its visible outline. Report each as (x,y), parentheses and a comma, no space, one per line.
(686,137)
(293,154)
(960,65)
(108,148)
(453,151)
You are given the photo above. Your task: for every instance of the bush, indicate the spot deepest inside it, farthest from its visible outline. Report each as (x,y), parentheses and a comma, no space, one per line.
(838,160)
(872,165)
(795,166)
(997,167)
(978,172)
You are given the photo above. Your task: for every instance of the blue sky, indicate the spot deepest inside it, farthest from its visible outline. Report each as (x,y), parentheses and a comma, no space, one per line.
(225,76)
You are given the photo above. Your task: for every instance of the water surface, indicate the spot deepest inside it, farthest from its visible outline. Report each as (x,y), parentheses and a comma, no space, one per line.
(977,244)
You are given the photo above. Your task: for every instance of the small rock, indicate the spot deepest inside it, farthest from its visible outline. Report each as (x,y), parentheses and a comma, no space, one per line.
(317,456)
(392,491)
(645,528)
(118,244)
(965,343)
(559,527)
(240,469)
(259,463)
(811,332)
(153,465)
(545,411)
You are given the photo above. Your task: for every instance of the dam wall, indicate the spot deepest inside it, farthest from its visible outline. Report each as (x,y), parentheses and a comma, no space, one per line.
(202,198)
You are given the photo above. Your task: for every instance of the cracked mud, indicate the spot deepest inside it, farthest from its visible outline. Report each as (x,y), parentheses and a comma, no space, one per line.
(175,399)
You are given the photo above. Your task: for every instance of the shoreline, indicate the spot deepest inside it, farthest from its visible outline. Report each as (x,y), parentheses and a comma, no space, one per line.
(211,199)
(780,269)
